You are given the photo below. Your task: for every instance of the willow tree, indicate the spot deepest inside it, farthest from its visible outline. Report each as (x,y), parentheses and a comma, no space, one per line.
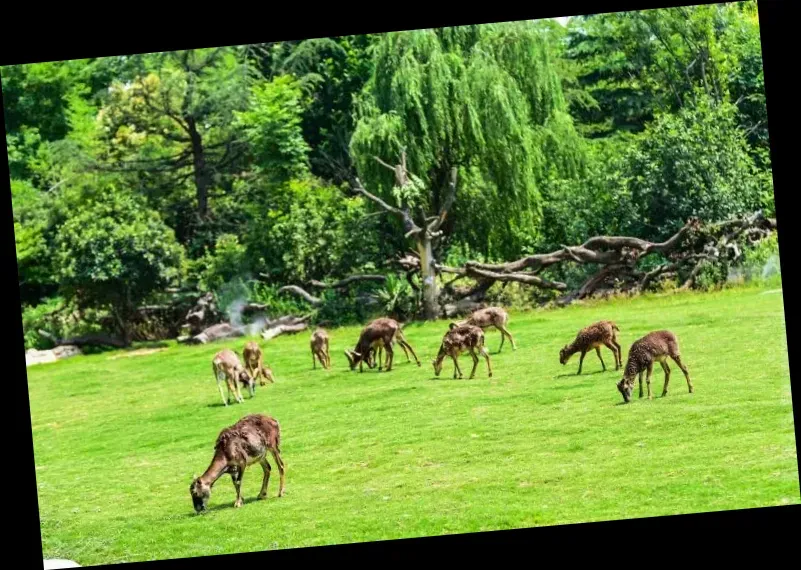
(479,103)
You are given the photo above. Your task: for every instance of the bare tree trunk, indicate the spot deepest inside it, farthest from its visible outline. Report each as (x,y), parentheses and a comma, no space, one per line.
(428,272)
(202,182)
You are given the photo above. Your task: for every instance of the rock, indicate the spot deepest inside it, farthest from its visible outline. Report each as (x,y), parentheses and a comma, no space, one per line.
(66,351)
(33,356)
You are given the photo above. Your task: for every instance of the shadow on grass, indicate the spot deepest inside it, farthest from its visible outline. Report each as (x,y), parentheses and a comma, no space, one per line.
(574,375)
(230,505)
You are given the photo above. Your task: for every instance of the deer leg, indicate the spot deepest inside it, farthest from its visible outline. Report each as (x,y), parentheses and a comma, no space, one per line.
(503,339)
(239,397)
(265,465)
(598,352)
(505,331)
(222,394)
(406,352)
(618,355)
(666,368)
(641,374)
(456,368)
(390,356)
(236,477)
(649,372)
(314,359)
(281,470)
(486,356)
(475,363)
(405,344)
(611,347)
(327,356)
(677,359)
(581,361)
(262,379)
(379,354)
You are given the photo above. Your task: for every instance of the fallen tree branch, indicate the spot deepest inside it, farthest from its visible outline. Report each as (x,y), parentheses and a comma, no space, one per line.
(86,340)
(342,283)
(294,289)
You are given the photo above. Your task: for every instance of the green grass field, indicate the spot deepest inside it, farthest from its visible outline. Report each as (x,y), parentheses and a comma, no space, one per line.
(377,456)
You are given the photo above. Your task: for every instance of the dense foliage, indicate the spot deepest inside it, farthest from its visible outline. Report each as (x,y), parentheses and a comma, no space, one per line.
(231,169)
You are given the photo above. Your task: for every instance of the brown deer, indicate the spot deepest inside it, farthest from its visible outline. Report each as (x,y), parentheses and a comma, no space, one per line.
(602,333)
(237,447)
(459,339)
(653,347)
(381,332)
(227,368)
(374,356)
(488,318)
(254,364)
(319,349)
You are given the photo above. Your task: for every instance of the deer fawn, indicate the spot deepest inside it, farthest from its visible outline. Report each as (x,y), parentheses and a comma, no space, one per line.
(459,339)
(254,364)
(602,333)
(379,333)
(491,317)
(653,347)
(246,442)
(227,368)
(319,349)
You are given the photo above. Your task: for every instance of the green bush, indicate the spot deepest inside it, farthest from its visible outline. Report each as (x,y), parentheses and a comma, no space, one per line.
(59,318)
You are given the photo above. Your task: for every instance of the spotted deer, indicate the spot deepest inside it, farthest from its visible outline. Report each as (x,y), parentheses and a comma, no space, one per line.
(237,447)
(227,368)
(459,339)
(491,317)
(383,333)
(374,356)
(254,364)
(602,333)
(319,349)
(657,346)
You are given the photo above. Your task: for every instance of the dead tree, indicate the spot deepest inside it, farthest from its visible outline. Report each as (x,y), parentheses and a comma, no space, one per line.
(618,257)
(425,231)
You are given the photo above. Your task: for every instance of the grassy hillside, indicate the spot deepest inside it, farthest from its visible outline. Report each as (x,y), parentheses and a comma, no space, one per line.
(118,436)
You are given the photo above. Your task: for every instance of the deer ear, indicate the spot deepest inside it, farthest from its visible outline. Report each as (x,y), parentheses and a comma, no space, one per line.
(357,354)
(451,326)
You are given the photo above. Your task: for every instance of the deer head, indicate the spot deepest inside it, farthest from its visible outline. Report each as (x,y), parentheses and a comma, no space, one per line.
(200,493)
(437,362)
(626,386)
(353,358)
(564,355)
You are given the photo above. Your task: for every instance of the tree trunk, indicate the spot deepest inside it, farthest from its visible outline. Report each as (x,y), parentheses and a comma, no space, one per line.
(201,173)
(429,275)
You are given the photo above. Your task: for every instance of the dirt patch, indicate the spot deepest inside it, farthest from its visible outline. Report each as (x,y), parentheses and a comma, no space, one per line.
(140,352)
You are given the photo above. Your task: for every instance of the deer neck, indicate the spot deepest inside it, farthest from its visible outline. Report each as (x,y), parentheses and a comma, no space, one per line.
(218,467)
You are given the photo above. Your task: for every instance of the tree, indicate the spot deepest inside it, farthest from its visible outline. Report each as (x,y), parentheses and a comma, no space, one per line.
(332,71)
(693,164)
(633,65)
(112,252)
(176,117)
(483,100)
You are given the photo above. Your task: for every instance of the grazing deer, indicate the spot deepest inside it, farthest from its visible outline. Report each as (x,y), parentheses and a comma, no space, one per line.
(458,339)
(254,364)
(491,317)
(379,333)
(227,368)
(374,356)
(653,347)
(237,447)
(319,349)
(602,333)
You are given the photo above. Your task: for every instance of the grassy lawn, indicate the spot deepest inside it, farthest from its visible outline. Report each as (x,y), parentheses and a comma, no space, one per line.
(377,456)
